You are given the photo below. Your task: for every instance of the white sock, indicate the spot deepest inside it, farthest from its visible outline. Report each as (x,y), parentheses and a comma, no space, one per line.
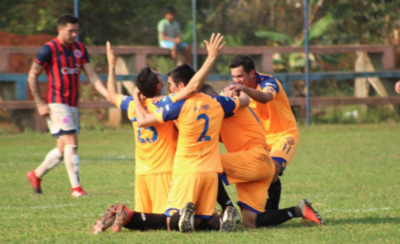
(72,164)
(52,159)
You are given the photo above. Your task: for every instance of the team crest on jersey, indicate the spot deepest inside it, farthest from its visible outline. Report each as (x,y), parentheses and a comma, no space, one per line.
(78,53)
(290,141)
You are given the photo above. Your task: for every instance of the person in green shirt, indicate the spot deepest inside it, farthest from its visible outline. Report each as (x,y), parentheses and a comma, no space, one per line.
(169,36)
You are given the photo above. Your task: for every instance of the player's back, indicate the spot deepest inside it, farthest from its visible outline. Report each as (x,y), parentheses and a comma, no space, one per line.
(199,118)
(155,146)
(242,131)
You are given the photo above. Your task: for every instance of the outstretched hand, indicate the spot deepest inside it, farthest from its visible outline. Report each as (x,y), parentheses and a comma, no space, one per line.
(215,45)
(110,54)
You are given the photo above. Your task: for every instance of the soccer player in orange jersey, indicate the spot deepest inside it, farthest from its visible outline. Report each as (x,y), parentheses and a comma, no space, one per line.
(249,165)
(154,153)
(271,105)
(197,161)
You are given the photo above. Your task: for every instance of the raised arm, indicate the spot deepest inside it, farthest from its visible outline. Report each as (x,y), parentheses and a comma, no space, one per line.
(33,75)
(95,80)
(213,48)
(111,82)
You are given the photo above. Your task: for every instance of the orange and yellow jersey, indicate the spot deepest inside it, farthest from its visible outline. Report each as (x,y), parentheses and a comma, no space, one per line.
(242,131)
(276,116)
(155,145)
(199,118)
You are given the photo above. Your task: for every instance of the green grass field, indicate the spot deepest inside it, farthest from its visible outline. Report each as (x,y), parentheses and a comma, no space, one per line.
(351,174)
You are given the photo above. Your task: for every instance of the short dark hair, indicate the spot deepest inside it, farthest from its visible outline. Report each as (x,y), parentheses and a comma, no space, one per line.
(67,19)
(169,10)
(183,73)
(208,89)
(242,60)
(146,82)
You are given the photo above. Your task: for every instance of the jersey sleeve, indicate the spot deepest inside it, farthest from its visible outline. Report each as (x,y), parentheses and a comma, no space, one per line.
(123,102)
(228,104)
(270,84)
(85,58)
(44,56)
(169,112)
(164,101)
(160,26)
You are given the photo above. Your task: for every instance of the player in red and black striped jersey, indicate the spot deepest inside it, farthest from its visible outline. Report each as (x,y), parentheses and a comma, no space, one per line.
(62,59)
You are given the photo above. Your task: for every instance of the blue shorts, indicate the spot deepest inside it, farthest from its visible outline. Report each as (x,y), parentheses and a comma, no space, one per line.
(170,45)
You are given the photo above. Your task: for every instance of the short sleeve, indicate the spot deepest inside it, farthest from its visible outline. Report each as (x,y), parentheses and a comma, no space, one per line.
(44,56)
(228,104)
(85,58)
(160,26)
(123,102)
(269,84)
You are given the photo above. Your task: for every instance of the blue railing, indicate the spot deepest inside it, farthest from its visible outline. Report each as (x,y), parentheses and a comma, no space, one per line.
(286,78)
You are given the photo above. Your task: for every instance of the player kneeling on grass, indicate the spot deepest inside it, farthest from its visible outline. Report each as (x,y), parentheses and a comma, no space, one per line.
(249,165)
(152,173)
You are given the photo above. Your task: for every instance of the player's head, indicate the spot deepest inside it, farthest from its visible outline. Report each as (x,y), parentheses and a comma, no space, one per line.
(242,69)
(207,89)
(179,77)
(169,13)
(67,26)
(149,82)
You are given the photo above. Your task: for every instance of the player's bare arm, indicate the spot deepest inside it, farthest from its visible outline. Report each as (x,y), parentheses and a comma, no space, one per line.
(111,82)
(33,75)
(256,95)
(95,80)
(142,117)
(244,100)
(214,47)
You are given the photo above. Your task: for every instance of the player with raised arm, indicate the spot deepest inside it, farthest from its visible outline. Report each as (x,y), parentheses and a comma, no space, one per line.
(62,59)
(271,105)
(154,153)
(197,161)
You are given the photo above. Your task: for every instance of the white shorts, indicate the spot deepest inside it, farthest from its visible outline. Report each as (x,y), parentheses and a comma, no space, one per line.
(63,119)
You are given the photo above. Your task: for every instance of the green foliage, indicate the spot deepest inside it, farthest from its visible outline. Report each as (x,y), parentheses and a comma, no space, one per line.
(281,38)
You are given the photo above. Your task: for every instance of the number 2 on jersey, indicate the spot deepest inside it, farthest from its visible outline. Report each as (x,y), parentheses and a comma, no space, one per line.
(149,140)
(203,136)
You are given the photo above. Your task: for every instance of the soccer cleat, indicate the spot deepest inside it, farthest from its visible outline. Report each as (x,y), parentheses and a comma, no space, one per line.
(228,219)
(106,221)
(308,212)
(35,182)
(78,192)
(186,219)
(236,216)
(123,215)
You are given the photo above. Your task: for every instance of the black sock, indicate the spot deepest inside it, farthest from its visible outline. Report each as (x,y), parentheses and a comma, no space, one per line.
(276,217)
(212,223)
(222,197)
(136,222)
(142,221)
(174,221)
(274,195)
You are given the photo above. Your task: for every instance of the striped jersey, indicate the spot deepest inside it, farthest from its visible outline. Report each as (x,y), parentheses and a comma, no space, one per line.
(63,66)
